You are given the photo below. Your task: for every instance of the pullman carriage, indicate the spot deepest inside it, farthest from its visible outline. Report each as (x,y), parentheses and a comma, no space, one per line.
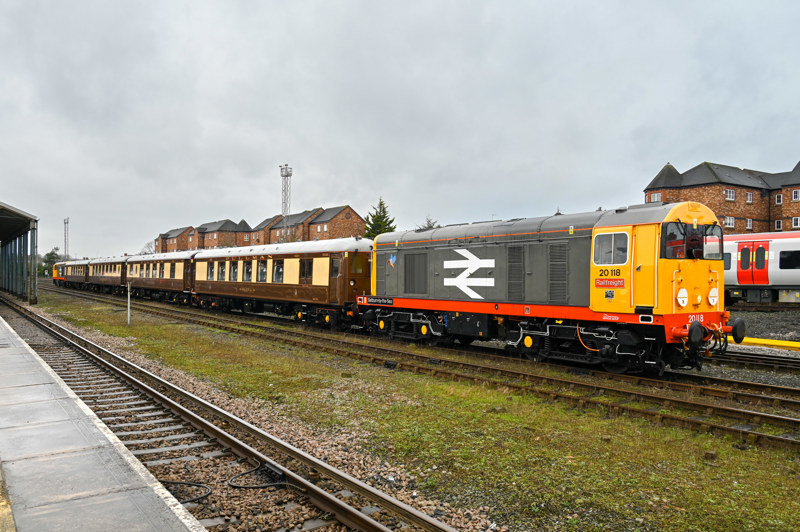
(107,275)
(76,274)
(314,281)
(162,276)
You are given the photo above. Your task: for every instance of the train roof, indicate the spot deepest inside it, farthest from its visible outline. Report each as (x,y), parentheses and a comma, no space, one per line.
(335,245)
(173,255)
(108,260)
(541,228)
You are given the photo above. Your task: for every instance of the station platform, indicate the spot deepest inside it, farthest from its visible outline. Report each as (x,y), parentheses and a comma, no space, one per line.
(60,467)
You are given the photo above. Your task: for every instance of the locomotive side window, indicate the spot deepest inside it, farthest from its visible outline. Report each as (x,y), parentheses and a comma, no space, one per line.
(611,248)
(789,260)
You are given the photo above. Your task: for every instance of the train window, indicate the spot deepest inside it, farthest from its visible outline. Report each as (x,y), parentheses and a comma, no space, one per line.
(789,260)
(306,268)
(357,263)
(277,271)
(247,273)
(416,273)
(744,261)
(161,271)
(726,258)
(147,270)
(761,258)
(611,248)
(171,270)
(334,267)
(262,271)
(221,271)
(210,272)
(234,273)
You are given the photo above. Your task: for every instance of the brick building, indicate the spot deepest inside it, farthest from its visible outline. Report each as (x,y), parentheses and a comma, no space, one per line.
(743,200)
(314,224)
(173,240)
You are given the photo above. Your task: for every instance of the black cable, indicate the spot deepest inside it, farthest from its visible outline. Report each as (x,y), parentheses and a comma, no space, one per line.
(258,486)
(193,484)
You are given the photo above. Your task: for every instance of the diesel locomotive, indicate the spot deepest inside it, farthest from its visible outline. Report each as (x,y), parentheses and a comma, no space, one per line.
(633,288)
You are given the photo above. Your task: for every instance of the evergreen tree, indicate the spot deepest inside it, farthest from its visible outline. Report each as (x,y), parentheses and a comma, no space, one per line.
(378,221)
(430,223)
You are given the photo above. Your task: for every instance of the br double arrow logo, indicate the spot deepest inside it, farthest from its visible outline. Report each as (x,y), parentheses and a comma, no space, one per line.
(465,279)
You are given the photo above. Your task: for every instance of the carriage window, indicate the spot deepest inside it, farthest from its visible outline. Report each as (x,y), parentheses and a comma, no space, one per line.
(210,272)
(161,270)
(357,263)
(262,271)
(789,260)
(611,248)
(247,273)
(306,268)
(334,267)
(171,270)
(744,262)
(221,271)
(277,271)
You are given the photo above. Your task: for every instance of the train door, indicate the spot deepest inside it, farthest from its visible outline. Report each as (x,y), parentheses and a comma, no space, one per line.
(752,265)
(643,267)
(337,265)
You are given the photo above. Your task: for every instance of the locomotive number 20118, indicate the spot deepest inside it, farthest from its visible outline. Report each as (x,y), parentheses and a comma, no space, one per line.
(605,272)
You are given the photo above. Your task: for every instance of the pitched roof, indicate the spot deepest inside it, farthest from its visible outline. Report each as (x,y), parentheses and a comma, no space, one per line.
(172,233)
(220,225)
(243,226)
(267,222)
(328,214)
(296,219)
(711,173)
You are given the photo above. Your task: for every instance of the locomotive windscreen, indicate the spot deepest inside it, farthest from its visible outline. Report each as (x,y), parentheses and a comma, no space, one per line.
(691,241)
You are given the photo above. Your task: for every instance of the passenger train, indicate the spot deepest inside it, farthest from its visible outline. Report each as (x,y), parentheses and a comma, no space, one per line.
(633,288)
(762,267)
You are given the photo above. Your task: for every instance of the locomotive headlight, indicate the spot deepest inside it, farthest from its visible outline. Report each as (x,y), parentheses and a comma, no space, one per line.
(683,297)
(713,297)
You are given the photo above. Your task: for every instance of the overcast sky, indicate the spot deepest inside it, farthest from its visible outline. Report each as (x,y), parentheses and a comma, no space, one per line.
(134,118)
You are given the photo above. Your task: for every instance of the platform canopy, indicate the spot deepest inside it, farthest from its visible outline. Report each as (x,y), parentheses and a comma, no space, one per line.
(13,222)
(18,250)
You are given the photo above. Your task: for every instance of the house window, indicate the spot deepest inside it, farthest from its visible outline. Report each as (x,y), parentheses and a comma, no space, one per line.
(796,194)
(730,194)
(326,227)
(247,238)
(778,199)
(749,197)
(730,221)
(778,225)
(796,222)
(655,197)
(319,228)
(749,223)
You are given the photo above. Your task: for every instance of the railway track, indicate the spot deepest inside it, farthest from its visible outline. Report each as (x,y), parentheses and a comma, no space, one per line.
(769,415)
(208,456)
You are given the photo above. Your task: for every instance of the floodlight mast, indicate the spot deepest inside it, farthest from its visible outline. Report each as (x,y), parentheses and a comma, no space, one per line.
(286,192)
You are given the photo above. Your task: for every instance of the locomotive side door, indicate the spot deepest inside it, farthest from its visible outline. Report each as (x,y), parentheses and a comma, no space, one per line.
(643,267)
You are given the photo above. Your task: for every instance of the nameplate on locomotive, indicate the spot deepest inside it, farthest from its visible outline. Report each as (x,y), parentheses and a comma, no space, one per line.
(372,300)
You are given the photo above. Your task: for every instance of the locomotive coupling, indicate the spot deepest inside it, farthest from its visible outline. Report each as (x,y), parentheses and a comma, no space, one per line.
(697,333)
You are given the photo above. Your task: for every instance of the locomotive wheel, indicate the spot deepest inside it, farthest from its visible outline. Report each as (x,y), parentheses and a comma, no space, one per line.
(615,367)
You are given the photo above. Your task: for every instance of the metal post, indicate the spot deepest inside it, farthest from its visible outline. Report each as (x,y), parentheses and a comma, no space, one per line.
(33,296)
(129,303)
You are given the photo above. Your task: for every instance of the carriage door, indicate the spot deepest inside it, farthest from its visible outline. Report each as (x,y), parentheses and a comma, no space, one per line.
(753,262)
(760,263)
(335,288)
(744,263)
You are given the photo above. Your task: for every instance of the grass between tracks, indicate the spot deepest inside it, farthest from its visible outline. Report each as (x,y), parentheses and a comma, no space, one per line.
(540,465)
